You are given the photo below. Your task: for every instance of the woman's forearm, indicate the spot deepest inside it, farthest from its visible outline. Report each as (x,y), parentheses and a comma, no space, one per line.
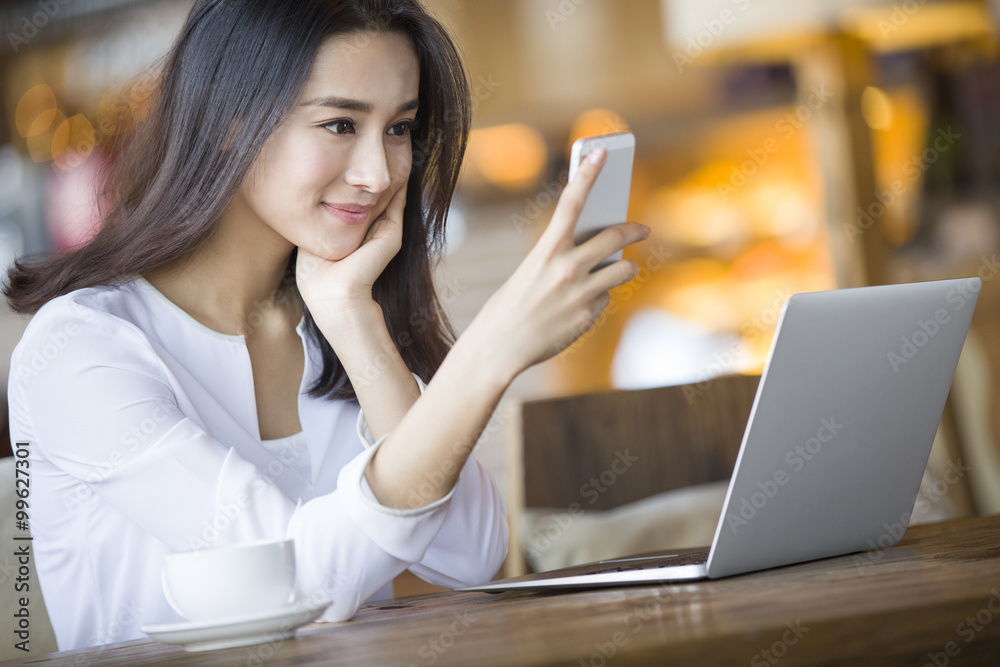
(432,437)
(383,384)
(421,459)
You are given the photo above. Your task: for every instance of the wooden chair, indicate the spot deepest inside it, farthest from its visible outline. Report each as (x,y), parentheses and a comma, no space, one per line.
(678,436)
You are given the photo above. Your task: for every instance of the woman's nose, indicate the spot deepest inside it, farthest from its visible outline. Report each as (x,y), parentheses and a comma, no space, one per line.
(369,167)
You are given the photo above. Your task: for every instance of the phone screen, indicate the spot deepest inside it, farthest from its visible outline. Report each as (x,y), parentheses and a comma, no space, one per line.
(607,203)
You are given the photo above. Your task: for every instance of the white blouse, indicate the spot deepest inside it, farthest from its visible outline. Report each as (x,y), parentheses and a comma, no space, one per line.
(143,437)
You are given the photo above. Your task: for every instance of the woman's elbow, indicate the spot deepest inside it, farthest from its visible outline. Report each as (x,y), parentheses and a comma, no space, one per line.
(487,567)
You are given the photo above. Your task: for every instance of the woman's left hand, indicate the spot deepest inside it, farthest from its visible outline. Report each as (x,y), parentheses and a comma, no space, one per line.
(335,288)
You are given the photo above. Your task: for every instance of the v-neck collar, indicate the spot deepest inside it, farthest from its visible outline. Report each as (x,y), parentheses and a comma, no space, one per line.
(189,319)
(240,341)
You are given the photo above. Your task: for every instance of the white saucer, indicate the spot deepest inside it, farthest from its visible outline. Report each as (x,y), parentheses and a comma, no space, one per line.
(242,631)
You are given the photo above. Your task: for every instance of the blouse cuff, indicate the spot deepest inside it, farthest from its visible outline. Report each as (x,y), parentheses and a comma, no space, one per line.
(367,495)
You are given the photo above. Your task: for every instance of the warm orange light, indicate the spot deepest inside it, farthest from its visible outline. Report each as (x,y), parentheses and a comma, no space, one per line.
(35,111)
(510,156)
(700,292)
(142,96)
(782,210)
(40,145)
(918,25)
(876,108)
(110,110)
(596,121)
(696,217)
(72,142)
(763,261)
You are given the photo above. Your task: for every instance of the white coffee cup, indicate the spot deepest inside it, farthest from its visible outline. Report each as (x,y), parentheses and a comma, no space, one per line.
(230,581)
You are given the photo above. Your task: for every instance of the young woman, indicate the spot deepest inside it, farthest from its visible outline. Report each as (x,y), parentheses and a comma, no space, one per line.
(240,352)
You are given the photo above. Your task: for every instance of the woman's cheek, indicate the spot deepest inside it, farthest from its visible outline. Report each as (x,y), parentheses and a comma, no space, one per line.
(402,164)
(304,164)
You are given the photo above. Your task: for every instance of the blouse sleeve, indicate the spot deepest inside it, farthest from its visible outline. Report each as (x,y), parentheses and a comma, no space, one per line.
(472,542)
(98,402)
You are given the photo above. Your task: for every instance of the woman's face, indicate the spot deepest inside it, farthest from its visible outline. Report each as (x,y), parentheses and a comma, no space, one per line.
(331,168)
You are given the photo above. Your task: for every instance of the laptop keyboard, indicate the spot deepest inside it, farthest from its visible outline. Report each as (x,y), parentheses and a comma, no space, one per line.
(646,562)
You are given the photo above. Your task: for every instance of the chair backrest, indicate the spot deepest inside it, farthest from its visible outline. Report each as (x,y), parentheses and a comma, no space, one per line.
(605,449)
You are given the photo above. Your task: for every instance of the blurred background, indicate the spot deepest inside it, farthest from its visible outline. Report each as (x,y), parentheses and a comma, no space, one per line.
(781,147)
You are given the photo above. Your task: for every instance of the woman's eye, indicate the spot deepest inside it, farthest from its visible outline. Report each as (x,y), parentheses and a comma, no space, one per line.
(402,129)
(340,126)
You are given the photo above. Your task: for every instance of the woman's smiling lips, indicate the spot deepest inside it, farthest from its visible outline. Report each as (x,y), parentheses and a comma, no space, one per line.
(351,214)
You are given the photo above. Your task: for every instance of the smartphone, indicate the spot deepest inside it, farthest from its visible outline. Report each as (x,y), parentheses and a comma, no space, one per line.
(607,203)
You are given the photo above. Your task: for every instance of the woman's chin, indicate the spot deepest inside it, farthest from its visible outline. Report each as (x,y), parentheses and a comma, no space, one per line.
(334,254)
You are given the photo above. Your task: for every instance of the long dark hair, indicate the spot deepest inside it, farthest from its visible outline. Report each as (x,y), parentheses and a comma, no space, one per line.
(234,73)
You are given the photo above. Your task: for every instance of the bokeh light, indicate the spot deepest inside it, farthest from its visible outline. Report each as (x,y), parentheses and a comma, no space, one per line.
(876,108)
(72,142)
(510,156)
(36,111)
(596,121)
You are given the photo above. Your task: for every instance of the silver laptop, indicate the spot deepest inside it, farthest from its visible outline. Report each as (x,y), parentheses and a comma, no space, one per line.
(837,441)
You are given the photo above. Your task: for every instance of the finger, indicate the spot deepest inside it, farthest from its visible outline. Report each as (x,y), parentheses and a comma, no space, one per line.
(384,239)
(573,197)
(394,210)
(374,228)
(608,241)
(613,275)
(393,214)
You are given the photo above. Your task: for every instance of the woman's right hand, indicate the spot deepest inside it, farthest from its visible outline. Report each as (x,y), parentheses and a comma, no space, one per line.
(550,301)
(553,298)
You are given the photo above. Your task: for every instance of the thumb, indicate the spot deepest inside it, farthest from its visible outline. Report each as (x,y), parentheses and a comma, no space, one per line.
(573,198)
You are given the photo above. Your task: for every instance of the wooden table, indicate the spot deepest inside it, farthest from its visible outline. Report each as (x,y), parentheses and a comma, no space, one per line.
(937,592)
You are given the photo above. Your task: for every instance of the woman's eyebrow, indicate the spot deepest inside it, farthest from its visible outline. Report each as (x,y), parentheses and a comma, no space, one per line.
(353,105)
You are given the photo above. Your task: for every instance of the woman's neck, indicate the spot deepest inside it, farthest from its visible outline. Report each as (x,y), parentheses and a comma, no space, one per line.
(233,282)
